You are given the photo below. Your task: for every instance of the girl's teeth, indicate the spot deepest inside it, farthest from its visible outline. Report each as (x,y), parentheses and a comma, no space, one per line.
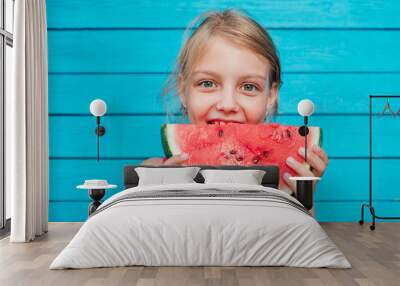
(219,122)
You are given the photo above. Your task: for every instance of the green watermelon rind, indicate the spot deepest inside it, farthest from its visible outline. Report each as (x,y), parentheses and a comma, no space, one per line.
(170,147)
(168,140)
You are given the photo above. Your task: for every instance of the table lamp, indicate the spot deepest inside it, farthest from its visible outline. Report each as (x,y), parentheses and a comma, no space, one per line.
(304,185)
(305,109)
(98,108)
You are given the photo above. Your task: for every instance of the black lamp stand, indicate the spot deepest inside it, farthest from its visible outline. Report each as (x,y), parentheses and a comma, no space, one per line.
(303,131)
(100,131)
(305,193)
(96,195)
(305,187)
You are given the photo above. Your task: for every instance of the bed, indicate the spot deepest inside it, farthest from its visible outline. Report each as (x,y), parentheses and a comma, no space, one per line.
(201,224)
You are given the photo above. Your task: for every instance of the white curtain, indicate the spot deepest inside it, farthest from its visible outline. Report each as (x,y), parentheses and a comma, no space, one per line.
(27,123)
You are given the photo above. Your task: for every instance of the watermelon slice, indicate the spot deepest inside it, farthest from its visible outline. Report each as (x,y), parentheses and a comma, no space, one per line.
(238,144)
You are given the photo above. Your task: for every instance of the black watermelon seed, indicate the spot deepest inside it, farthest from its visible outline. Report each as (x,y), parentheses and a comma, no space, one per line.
(288,133)
(233,151)
(220,133)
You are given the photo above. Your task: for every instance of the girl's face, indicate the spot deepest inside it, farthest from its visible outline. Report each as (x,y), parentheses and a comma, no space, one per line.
(229,83)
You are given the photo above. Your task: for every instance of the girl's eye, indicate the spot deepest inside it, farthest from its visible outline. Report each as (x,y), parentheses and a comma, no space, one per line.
(249,87)
(206,83)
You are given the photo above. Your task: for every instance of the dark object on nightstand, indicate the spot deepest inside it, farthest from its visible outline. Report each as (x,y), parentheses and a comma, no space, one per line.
(305,193)
(96,195)
(304,190)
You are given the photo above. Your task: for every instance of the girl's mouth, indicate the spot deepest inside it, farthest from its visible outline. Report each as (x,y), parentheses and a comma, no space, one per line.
(221,121)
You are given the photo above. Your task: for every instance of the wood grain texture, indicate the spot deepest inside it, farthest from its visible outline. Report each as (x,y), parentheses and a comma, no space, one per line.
(155,50)
(374,257)
(178,13)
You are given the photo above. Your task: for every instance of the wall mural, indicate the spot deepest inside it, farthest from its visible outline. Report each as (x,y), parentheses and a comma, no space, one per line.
(160,75)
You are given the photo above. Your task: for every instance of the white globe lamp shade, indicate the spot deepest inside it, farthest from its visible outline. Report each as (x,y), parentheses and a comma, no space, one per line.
(98,107)
(305,107)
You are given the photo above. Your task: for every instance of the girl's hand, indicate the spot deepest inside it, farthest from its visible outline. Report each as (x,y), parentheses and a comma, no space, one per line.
(316,158)
(174,160)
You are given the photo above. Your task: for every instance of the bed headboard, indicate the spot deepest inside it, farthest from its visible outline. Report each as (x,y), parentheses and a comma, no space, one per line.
(270,179)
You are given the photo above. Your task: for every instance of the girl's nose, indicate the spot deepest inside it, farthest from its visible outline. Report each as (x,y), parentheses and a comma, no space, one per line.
(227,102)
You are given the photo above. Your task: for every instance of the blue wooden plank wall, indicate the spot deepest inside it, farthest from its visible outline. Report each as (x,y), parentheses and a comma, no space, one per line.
(334,52)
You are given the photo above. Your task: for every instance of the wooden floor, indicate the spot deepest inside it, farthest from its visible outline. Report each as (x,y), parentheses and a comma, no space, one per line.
(375,257)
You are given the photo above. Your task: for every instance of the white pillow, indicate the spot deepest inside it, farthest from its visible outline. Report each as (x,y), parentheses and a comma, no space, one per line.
(162,176)
(249,177)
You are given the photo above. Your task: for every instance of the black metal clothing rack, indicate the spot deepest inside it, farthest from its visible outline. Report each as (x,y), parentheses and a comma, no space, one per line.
(370,205)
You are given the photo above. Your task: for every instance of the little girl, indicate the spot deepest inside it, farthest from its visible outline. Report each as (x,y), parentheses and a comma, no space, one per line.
(228,71)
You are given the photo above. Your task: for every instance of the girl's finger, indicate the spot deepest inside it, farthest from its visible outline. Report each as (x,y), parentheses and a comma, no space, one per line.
(152,162)
(291,184)
(301,169)
(314,160)
(321,153)
(176,160)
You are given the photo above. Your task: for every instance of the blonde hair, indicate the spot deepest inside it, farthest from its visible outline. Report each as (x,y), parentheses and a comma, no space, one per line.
(233,25)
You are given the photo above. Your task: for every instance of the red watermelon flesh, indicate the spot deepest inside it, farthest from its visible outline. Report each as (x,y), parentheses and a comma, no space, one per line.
(238,144)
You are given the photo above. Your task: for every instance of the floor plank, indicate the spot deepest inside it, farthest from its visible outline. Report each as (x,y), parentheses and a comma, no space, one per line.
(374,255)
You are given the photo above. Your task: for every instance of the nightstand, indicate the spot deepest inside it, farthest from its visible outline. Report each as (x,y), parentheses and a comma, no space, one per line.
(304,190)
(96,190)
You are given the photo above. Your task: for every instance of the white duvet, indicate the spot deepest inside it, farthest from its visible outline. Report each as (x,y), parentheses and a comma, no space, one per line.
(183,231)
